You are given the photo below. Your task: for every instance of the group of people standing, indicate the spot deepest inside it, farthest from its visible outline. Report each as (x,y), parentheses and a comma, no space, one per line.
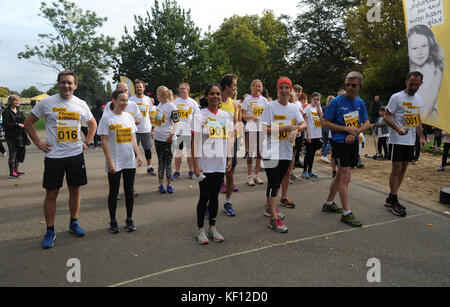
(209,130)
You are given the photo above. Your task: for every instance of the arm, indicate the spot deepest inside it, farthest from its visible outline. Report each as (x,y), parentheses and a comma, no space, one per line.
(390,122)
(92,125)
(30,121)
(105,146)
(196,138)
(136,149)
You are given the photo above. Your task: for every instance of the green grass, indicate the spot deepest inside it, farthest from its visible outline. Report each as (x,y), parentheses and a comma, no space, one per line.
(430,150)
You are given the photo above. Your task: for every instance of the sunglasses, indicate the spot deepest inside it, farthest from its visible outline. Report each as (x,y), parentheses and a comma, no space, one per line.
(351,85)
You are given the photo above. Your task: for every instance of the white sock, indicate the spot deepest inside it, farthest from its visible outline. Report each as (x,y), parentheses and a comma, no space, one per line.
(149,167)
(329,203)
(347,212)
(228,200)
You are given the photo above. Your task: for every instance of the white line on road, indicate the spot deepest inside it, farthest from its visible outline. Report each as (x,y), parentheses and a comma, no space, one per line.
(261,249)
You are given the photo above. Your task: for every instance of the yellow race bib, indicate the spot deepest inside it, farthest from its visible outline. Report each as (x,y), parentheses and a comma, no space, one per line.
(352,119)
(217,130)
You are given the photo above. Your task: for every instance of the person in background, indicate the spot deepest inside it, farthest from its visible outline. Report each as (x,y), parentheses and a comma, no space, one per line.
(97,112)
(437,138)
(326,137)
(446,136)
(382,131)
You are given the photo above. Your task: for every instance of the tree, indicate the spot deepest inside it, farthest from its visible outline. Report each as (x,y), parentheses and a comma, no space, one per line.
(164,48)
(30,92)
(4,92)
(75,45)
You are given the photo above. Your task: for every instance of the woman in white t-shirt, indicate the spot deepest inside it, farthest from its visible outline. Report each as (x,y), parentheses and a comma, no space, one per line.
(165,125)
(252,109)
(211,152)
(117,130)
(314,118)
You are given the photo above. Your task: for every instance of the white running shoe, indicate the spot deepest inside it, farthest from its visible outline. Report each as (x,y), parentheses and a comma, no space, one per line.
(280,215)
(215,235)
(202,238)
(250,181)
(258,180)
(278,226)
(326,160)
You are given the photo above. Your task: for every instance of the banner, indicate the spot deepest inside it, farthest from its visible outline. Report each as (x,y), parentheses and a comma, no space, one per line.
(428,32)
(129,83)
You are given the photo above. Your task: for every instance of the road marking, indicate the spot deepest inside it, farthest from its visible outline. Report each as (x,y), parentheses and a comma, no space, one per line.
(261,249)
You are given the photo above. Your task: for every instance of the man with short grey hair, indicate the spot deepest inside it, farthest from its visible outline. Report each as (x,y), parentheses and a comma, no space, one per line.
(346,116)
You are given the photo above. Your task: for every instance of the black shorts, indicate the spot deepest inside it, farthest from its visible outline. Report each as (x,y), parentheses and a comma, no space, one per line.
(73,167)
(346,155)
(401,153)
(275,171)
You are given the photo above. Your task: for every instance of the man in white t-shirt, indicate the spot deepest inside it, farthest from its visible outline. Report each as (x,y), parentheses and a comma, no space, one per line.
(63,149)
(186,107)
(403,117)
(132,107)
(144,128)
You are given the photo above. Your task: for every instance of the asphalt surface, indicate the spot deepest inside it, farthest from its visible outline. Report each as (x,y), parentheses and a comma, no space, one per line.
(318,250)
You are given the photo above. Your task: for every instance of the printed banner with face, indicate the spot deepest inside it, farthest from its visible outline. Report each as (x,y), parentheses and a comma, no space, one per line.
(130,85)
(428,34)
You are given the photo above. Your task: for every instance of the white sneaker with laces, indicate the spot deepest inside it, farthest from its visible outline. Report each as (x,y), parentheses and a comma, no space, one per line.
(258,180)
(202,238)
(250,181)
(326,160)
(215,235)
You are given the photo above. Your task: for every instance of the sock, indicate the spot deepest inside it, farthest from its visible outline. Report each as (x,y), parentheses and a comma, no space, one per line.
(228,200)
(149,167)
(392,197)
(347,212)
(329,203)
(52,228)
(73,220)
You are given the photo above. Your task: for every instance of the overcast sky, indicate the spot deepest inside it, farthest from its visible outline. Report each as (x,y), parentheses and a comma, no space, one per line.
(20,25)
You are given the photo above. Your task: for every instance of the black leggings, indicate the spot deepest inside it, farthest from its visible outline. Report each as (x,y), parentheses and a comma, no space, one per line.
(209,198)
(311,149)
(16,156)
(382,145)
(165,156)
(445,156)
(128,185)
(275,175)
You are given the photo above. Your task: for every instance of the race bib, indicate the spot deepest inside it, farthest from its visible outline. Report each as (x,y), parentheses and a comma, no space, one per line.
(144,109)
(258,111)
(67,126)
(411,115)
(352,119)
(123,135)
(217,130)
(159,120)
(317,122)
(183,114)
(281,121)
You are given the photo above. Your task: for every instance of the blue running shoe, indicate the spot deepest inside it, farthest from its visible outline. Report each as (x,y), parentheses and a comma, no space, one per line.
(170,189)
(191,174)
(228,208)
(76,229)
(161,189)
(306,175)
(130,225)
(313,175)
(176,176)
(49,239)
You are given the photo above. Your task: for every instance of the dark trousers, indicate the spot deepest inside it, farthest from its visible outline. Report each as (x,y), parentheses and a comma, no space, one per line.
(382,145)
(311,149)
(165,156)
(417,148)
(209,198)
(2,149)
(128,185)
(445,156)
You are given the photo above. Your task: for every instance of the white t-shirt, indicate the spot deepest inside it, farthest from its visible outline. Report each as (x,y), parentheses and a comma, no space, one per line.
(186,109)
(254,107)
(405,111)
(63,120)
(132,108)
(163,121)
(314,122)
(144,104)
(215,129)
(446,137)
(120,130)
(275,114)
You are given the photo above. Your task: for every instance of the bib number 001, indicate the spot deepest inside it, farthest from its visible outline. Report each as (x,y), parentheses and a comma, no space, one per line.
(218,132)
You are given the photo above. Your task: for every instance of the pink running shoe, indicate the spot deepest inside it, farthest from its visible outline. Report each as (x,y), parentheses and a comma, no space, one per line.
(223,189)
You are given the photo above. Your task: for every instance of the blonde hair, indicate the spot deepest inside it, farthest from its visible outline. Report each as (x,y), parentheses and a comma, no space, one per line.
(253,84)
(165,92)
(12,98)
(293,97)
(329,98)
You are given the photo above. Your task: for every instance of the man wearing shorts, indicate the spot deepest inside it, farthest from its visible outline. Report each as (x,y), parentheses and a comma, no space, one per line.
(346,116)
(403,117)
(186,107)
(144,128)
(64,149)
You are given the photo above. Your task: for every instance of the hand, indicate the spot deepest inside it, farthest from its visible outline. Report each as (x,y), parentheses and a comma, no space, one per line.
(309,140)
(289,128)
(45,147)
(256,119)
(21,125)
(353,131)
(112,168)
(85,146)
(402,130)
(423,142)
(152,135)
(350,139)
(169,139)
(139,161)
(198,171)
(229,165)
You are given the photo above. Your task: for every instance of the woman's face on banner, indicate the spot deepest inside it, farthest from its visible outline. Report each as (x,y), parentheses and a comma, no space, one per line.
(419,49)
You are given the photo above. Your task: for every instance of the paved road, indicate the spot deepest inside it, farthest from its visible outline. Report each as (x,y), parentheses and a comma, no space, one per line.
(318,250)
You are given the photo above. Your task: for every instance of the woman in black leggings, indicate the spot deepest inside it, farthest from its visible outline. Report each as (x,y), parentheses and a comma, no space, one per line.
(211,151)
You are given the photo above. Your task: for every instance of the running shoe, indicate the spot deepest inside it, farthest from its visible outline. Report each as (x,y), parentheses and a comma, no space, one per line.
(395,207)
(228,208)
(235,188)
(201,237)
(130,225)
(306,175)
(215,235)
(13,176)
(280,215)
(161,189)
(295,178)
(325,159)
(176,176)
(191,174)
(113,227)
(441,169)
(76,229)
(333,174)
(333,208)
(151,171)
(351,220)
(250,181)
(312,175)
(49,239)
(20,173)
(223,188)
(278,226)
(170,189)
(258,180)
(287,203)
